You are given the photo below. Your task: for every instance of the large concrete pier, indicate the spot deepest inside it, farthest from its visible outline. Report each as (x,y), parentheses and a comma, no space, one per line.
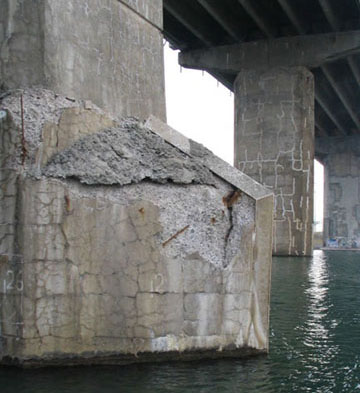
(274,120)
(124,243)
(274,134)
(341,159)
(121,240)
(109,52)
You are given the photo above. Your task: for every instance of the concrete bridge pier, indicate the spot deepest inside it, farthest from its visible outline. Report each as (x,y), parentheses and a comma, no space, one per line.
(108,52)
(274,120)
(274,144)
(341,159)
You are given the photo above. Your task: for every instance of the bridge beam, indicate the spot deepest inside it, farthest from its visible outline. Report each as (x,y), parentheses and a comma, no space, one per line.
(222,19)
(308,51)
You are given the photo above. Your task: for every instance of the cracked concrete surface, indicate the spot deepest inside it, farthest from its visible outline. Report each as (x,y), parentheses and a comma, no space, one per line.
(274,140)
(159,261)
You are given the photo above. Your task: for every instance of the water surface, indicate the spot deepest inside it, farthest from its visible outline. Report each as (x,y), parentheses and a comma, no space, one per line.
(314,344)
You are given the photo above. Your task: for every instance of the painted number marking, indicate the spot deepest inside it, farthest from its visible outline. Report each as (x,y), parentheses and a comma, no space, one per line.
(13,281)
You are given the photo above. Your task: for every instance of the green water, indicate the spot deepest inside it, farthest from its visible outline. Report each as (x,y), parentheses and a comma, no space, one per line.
(315,344)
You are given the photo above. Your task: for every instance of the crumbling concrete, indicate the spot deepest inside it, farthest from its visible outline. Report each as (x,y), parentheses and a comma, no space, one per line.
(126,154)
(105,51)
(341,159)
(122,242)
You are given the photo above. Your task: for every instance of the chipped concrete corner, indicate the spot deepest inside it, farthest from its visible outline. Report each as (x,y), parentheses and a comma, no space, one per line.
(123,242)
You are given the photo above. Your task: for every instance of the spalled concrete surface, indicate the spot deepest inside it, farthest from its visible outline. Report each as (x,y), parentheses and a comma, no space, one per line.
(126,154)
(51,122)
(100,50)
(341,159)
(140,270)
(274,144)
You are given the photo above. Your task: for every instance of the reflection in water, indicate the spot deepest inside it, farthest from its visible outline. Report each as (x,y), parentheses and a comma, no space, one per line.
(317,334)
(314,344)
(318,329)
(326,330)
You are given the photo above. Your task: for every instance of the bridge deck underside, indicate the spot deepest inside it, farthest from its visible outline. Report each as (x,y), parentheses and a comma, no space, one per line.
(194,24)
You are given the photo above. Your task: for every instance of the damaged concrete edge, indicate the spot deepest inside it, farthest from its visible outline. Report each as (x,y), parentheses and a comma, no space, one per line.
(121,359)
(216,165)
(263,255)
(264,199)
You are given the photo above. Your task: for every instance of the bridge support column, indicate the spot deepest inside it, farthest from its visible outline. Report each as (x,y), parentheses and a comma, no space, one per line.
(109,52)
(342,190)
(274,144)
(274,125)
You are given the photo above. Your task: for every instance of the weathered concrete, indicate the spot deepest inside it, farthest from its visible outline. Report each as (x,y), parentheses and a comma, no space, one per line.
(99,50)
(138,270)
(274,133)
(274,120)
(341,159)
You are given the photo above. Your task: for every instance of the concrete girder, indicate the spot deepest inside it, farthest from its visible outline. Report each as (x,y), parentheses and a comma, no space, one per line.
(196,32)
(354,68)
(323,103)
(290,13)
(221,19)
(219,77)
(262,25)
(331,18)
(309,51)
(300,29)
(335,25)
(329,14)
(341,94)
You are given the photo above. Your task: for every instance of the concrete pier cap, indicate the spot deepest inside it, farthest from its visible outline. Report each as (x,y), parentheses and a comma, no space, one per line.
(274,119)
